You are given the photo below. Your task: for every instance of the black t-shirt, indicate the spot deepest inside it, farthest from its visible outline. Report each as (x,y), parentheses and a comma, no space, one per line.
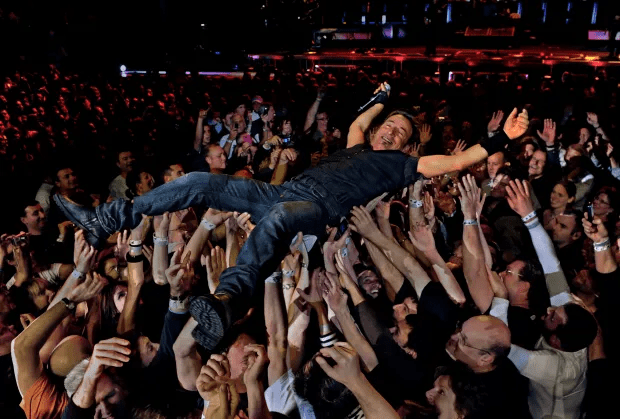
(507,390)
(358,174)
(525,328)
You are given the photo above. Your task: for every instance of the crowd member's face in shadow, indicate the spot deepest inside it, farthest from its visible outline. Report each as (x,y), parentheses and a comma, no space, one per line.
(109,398)
(443,398)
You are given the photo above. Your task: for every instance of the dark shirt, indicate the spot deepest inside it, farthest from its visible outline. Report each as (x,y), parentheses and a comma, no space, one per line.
(358,174)
(507,390)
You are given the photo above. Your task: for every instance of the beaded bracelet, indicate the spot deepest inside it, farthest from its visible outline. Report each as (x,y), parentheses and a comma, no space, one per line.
(160,241)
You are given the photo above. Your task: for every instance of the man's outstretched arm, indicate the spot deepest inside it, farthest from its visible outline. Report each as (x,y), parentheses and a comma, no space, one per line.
(514,127)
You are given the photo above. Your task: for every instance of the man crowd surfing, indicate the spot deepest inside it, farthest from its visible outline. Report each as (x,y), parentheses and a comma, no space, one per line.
(255,248)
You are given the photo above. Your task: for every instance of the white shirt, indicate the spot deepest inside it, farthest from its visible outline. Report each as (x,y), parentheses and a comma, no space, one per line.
(118,187)
(557,378)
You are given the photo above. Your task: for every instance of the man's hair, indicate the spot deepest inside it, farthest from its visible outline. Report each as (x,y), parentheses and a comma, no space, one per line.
(329,398)
(123,150)
(471,394)
(577,216)
(167,170)
(28,203)
(537,295)
(580,328)
(58,168)
(264,108)
(132,180)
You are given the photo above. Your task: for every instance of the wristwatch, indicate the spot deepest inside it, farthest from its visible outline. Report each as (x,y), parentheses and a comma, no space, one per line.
(69,304)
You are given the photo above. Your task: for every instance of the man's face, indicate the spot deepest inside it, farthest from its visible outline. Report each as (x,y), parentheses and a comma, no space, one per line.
(393,134)
(146,183)
(240,110)
(443,398)
(125,161)
(109,398)
(584,135)
(555,317)
(216,158)
(563,230)
(256,105)
(479,171)
(571,153)
(66,180)
(176,171)
(370,282)
(469,344)
(147,350)
(512,279)
(34,219)
(237,357)
(271,114)
(494,163)
(537,163)
(322,119)
(238,121)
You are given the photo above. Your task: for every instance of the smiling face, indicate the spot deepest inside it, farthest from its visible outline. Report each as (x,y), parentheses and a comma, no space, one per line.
(34,219)
(369,281)
(393,134)
(494,163)
(559,197)
(537,164)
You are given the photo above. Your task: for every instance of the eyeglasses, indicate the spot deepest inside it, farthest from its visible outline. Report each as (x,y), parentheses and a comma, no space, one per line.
(463,341)
(508,271)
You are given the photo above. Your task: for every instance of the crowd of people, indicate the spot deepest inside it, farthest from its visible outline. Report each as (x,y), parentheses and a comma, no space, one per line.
(181,246)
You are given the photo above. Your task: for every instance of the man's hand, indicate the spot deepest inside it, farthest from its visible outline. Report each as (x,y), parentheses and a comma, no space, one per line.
(243,221)
(333,295)
(164,226)
(113,352)
(422,238)
(215,265)
(425,134)
(313,295)
(593,119)
(203,113)
(89,289)
(216,217)
(548,134)
(497,284)
(495,121)
(287,155)
(515,126)
(86,259)
(519,197)
(179,274)
(65,227)
(347,369)
(595,229)
(414,150)
(460,147)
(257,359)
(214,373)
(415,190)
(471,201)
(122,246)
(331,246)
(362,223)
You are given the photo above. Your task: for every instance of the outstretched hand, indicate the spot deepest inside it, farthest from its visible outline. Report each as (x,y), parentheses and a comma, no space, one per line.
(495,121)
(519,197)
(347,368)
(516,125)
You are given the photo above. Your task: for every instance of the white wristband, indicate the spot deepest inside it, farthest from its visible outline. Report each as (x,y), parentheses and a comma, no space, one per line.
(207,225)
(414,203)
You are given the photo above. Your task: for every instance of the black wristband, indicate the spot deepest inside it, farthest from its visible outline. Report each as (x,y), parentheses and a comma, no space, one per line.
(382,97)
(135,259)
(495,143)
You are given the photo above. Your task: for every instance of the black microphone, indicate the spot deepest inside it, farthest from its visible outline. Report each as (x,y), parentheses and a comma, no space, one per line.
(375,97)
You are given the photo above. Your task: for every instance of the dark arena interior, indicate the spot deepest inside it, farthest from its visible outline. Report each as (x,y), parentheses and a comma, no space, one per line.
(309,209)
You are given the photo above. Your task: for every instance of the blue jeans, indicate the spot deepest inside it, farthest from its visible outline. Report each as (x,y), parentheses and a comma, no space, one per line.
(279,212)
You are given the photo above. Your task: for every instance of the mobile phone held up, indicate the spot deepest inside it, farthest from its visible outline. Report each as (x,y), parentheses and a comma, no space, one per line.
(590,211)
(342,228)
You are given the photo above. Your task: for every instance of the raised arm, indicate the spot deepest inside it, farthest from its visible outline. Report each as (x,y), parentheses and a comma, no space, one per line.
(186,356)
(337,301)
(423,239)
(520,201)
(314,109)
(361,124)
(257,359)
(436,165)
(603,255)
(200,130)
(474,263)
(363,223)
(277,328)
(135,266)
(25,347)
(160,252)
(210,220)
(346,370)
